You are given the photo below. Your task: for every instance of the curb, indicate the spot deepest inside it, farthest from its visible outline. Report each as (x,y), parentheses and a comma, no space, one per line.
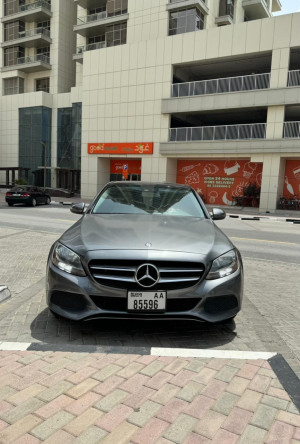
(259,217)
(4,293)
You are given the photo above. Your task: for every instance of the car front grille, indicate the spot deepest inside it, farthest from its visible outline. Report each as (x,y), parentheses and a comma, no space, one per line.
(121,274)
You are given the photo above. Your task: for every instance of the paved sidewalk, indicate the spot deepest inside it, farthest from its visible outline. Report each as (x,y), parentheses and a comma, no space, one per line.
(75,397)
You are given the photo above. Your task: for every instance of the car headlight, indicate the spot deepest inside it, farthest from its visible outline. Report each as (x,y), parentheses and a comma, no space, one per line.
(224,265)
(66,260)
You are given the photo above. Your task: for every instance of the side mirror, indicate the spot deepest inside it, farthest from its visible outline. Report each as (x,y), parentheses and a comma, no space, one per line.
(218,214)
(77,208)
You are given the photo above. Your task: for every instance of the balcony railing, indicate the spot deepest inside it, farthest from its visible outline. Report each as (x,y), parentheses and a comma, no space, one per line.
(177,1)
(291,130)
(98,16)
(223,85)
(294,78)
(34,32)
(34,5)
(90,47)
(221,132)
(34,59)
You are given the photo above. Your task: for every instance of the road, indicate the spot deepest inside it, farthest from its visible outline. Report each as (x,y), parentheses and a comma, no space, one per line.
(267,239)
(269,320)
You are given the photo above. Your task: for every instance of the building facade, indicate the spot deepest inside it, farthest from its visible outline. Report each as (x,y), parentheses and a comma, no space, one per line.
(190,91)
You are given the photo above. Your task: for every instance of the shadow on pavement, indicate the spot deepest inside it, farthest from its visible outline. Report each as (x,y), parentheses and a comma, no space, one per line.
(48,329)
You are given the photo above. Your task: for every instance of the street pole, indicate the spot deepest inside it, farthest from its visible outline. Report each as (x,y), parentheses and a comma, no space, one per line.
(45,161)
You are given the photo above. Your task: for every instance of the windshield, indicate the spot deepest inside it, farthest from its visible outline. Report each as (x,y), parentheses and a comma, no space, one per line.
(148,199)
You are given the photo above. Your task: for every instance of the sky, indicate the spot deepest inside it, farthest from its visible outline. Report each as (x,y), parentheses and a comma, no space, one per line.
(289,6)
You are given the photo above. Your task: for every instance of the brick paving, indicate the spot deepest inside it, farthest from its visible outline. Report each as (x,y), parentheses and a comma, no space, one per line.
(248,407)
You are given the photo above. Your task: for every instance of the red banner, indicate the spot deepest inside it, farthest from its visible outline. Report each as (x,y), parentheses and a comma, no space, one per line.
(219,181)
(292,179)
(121,148)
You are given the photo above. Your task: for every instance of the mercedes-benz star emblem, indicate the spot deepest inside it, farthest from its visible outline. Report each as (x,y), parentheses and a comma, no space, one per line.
(147,275)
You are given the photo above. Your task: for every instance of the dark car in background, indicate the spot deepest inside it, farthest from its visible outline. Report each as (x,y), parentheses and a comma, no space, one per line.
(28,195)
(145,251)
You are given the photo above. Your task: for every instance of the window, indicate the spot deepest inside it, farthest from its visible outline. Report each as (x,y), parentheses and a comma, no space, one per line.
(15,85)
(42,84)
(148,199)
(11,7)
(12,30)
(226,7)
(116,34)
(116,7)
(34,126)
(96,42)
(97,10)
(43,25)
(43,54)
(185,20)
(11,55)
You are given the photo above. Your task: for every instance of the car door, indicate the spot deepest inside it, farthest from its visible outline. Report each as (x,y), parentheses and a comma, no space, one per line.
(37,194)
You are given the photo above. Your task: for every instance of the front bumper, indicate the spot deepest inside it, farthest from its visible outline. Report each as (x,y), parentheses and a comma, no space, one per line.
(82,299)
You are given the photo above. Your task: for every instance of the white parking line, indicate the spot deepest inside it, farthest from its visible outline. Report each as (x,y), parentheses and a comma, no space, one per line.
(203,353)
(17,346)
(159,351)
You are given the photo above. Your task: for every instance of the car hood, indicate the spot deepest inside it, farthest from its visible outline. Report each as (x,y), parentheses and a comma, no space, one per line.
(133,232)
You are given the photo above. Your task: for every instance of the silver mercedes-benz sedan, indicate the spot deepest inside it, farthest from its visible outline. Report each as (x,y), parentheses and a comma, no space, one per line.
(145,251)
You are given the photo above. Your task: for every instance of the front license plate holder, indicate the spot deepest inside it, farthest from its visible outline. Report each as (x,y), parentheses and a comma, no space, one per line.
(147,301)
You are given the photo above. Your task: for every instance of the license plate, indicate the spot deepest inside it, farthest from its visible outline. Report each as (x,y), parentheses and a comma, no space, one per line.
(147,300)
(16,195)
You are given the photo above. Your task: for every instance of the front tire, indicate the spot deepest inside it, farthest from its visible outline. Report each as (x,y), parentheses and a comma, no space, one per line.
(33,203)
(48,200)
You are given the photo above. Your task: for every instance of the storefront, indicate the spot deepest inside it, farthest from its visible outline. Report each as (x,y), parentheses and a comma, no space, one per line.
(290,199)
(292,179)
(125,169)
(223,182)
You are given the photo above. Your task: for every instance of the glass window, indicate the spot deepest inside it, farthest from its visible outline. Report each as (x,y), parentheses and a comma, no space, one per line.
(226,7)
(186,20)
(14,85)
(65,157)
(43,25)
(11,55)
(116,34)
(146,199)
(11,7)
(116,7)
(42,84)
(12,30)
(34,127)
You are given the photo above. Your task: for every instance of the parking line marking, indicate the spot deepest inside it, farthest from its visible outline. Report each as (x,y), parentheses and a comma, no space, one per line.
(265,240)
(204,353)
(154,351)
(16,346)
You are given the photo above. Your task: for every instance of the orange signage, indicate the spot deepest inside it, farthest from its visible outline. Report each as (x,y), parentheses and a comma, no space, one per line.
(120,148)
(219,181)
(292,179)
